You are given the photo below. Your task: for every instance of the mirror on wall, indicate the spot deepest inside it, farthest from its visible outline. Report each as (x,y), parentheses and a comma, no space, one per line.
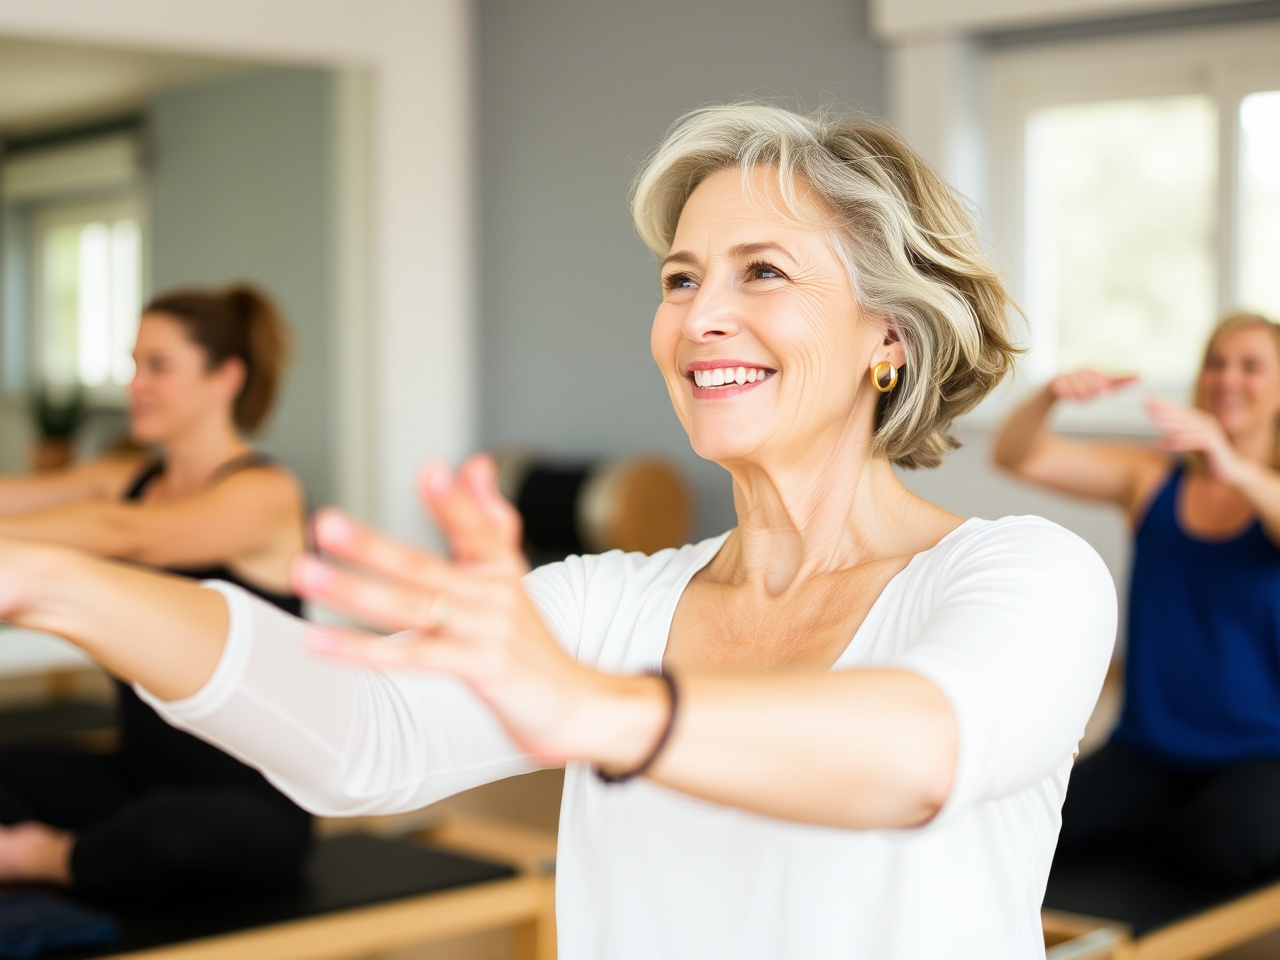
(128,172)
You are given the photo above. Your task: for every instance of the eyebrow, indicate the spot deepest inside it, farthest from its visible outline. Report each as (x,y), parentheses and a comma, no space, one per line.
(736,252)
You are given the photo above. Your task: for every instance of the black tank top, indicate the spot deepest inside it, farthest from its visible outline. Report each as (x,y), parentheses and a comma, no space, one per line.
(157,753)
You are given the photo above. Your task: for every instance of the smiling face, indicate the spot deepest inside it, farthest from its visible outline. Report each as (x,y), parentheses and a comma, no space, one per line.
(763,345)
(173,391)
(1240,381)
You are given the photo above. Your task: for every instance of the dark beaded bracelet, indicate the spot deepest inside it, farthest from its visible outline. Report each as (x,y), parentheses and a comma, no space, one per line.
(674,699)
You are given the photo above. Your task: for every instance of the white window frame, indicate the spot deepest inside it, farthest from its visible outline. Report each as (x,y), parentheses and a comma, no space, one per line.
(1225,63)
(47,216)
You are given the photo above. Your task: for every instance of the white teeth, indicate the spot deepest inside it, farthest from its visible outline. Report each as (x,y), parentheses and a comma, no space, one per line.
(721,376)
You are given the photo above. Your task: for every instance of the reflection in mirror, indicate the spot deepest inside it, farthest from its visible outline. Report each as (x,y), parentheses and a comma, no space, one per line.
(124,173)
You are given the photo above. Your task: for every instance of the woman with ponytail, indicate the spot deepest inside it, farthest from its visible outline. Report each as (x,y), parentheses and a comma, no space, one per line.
(165,812)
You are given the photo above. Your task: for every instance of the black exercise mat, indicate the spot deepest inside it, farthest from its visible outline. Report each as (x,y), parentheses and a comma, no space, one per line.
(24,726)
(1119,885)
(350,870)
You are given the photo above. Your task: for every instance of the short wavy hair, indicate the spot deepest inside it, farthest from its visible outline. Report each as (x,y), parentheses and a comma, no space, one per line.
(906,240)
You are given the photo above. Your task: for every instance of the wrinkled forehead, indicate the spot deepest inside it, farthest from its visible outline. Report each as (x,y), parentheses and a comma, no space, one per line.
(736,206)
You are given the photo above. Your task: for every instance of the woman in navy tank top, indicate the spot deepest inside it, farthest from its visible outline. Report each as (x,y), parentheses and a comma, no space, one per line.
(165,812)
(1192,772)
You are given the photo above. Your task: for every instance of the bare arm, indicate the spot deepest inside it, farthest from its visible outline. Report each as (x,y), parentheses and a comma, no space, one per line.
(1114,472)
(162,632)
(96,480)
(243,514)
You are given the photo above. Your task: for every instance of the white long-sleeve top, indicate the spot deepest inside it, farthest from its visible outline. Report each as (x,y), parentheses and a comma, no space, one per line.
(1012,619)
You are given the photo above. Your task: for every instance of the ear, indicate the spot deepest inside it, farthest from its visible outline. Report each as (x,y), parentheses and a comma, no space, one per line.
(891,347)
(231,375)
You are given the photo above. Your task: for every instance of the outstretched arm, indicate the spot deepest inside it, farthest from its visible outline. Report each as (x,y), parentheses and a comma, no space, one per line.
(162,632)
(99,479)
(236,671)
(863,749)
(239,516)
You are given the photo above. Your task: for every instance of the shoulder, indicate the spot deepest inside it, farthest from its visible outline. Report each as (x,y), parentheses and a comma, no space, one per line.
(265,482)
(1024,553)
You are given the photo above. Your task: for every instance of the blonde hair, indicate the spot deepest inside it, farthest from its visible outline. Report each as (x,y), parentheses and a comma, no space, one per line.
(907,242)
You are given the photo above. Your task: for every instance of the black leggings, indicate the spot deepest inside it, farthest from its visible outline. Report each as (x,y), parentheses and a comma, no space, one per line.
(136,840)
(1221,824)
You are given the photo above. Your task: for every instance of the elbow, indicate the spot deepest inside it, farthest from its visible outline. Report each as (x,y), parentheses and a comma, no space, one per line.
(934,771)
(1004,457)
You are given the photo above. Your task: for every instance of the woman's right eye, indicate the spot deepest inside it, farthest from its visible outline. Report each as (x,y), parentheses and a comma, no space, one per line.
(678,281)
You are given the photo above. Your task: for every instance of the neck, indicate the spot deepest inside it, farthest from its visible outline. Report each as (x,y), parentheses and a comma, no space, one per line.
(805,519)
(191,460)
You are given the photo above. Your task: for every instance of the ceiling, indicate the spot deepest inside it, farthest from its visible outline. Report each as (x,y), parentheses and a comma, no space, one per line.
(44,85)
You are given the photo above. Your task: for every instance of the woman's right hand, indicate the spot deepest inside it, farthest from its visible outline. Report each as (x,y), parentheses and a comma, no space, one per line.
(1087,384)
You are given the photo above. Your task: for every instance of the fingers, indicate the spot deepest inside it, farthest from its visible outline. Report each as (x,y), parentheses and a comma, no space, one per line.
(1087,384)
(436,597)
(478,524)
(342,536)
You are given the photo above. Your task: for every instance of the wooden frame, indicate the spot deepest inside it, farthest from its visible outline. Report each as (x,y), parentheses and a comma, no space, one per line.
(1197,937)
(525,903)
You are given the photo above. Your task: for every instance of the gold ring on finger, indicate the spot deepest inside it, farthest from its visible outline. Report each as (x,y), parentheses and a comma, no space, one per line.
(440,613)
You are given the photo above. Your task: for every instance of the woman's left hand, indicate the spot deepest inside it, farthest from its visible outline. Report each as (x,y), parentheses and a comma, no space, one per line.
(469,616)
(1188,429)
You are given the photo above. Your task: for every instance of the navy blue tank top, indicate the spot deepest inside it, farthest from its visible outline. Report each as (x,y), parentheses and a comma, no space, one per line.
(1202,680)
(158,753)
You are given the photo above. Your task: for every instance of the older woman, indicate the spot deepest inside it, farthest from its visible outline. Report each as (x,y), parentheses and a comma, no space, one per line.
(843,728)
(1192,773)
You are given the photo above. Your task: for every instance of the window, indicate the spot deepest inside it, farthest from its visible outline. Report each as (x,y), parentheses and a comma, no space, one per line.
(1137,184)
(74,235)
(86,294)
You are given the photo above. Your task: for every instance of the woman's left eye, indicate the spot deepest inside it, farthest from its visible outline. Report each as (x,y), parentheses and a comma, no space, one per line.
(764,271)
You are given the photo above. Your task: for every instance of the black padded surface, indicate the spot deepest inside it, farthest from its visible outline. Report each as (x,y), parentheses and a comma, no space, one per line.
(352,870)
(1118,885)
(25,725)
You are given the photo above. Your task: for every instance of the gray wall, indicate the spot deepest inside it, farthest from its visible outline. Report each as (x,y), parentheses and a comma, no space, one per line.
(573,94)
(243,189)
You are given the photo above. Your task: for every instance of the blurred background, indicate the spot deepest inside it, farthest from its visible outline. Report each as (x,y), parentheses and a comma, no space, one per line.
(436,191)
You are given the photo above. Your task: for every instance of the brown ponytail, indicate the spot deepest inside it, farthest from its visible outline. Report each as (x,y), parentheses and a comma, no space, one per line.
(239,321)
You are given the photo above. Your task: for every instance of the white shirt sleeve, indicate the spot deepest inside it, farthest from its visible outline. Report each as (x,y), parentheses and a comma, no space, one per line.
(339,739)
(1018,639)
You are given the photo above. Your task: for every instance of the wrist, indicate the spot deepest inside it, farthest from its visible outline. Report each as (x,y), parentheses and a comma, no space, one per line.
(624,723)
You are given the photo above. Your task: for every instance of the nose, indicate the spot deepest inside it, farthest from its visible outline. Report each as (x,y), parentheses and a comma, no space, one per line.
(713,314)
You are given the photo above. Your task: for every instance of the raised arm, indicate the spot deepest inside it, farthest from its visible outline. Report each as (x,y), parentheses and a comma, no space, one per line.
(249,512)
(95,480)
(1186,429)
(1115,472)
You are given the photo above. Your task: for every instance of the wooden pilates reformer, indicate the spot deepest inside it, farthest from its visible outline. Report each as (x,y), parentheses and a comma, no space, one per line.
(365,894)
(1116,907)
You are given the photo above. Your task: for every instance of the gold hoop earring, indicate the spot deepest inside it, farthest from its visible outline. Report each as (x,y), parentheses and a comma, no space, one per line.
(885,376)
